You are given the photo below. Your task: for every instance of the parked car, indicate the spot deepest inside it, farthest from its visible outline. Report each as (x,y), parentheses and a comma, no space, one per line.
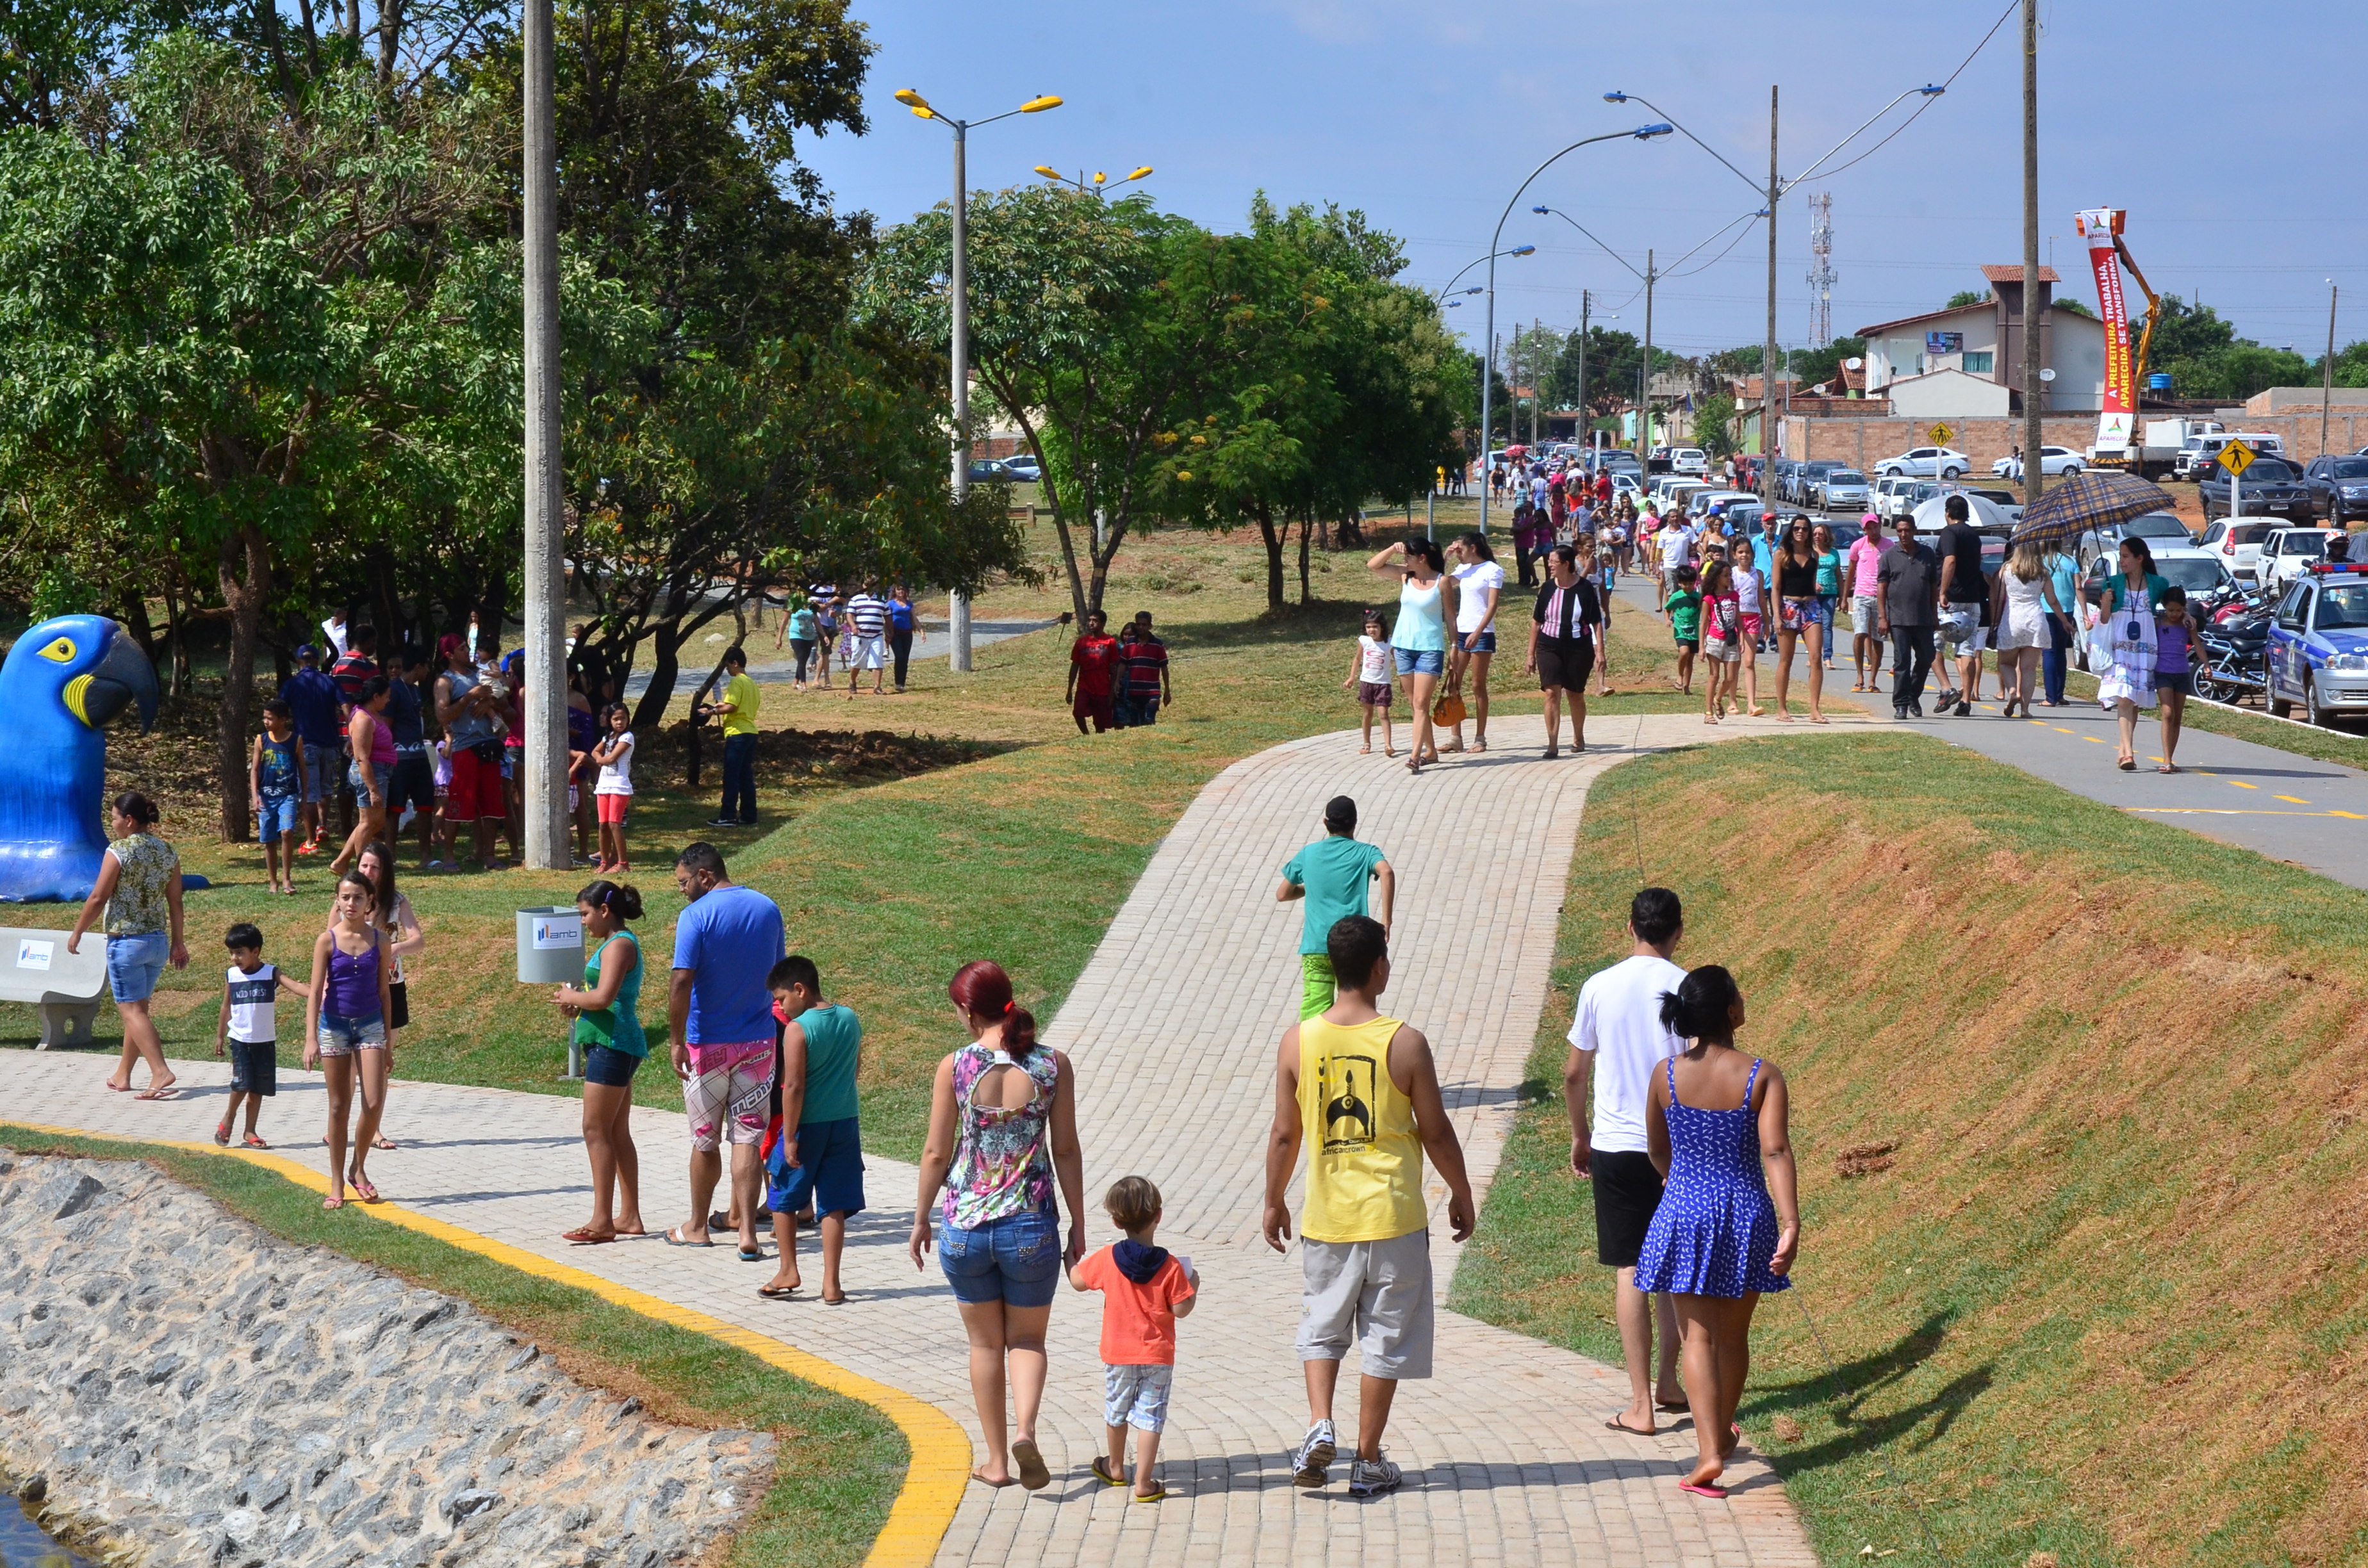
(2052,461)
(2159,529)
(1699,504)
(2339,487)
(1929,463)
(2287,551)
(1808,476)
(1837,488)
(2317,652)
(1023,468)
(989,471)
(1688,460)
(2198,570)
(1903,496)
(2272,487)
(2239,545)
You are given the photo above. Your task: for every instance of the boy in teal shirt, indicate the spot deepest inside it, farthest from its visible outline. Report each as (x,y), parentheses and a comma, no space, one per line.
(1331,874)
(1684,609)
(815,1161)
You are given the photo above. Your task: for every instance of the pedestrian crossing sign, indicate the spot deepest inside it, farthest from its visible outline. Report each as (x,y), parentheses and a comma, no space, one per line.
(2236,457)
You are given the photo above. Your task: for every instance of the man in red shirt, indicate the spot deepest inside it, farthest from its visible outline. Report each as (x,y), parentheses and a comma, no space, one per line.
(1603,489)
(1093,661)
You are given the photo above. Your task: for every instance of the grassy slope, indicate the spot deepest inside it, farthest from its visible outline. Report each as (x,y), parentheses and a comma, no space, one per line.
(840,1462)
(1022,856)
(2105,1303)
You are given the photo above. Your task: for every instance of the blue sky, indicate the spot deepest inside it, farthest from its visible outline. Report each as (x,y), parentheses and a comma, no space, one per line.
(1426,115)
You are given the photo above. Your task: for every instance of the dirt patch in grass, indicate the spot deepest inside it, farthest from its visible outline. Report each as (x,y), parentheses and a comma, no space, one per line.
(2077,1097)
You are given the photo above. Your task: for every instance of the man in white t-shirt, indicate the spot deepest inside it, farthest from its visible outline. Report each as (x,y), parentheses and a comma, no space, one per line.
(1479,586)
(1617,1041)
(1677,545)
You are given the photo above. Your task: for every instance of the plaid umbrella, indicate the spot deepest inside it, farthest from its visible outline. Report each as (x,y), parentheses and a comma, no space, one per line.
(2091,499)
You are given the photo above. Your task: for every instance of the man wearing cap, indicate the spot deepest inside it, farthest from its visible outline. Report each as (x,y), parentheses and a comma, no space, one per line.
(1331,874)
(312,698)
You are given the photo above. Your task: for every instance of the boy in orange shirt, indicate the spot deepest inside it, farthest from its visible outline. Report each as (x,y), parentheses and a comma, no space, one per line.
(1145,1291)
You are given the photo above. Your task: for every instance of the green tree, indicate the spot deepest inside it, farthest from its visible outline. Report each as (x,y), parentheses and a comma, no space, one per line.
(2350,365)
(1964,297)
(1714,424)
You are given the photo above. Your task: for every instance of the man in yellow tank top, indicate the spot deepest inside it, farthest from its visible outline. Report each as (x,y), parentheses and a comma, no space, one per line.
(1361,1092)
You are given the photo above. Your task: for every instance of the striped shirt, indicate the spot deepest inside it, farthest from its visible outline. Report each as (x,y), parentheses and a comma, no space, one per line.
(1569,612)
(868,614)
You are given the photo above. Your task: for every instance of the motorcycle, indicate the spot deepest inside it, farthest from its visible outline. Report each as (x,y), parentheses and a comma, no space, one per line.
(2231,668)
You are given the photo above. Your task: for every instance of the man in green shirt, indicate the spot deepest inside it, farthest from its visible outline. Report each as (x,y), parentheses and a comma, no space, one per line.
(815,1162)
(1331,874)
(738,711)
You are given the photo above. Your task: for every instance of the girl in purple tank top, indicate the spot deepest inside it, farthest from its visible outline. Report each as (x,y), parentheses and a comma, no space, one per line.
(347,1032)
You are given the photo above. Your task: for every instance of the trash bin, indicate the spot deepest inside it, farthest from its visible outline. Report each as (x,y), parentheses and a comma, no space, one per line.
(551,946)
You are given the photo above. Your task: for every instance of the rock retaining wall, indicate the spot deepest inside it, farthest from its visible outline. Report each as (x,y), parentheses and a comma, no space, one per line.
(211,1394)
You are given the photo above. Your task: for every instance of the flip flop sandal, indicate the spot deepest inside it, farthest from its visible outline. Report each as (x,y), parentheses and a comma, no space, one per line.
(1033,1474)
(1619,1425)
(221,1133)
(752,1255)
(1146,1496)
(167,1093)
(585,1236)
(252,1141)
(674,1239)
(362,1188)
(382,1142)
(114,1088)
(985,1482)
(838,1301)
(1680,1408)
(1703,1489)
(785,1293)
(1102,1473)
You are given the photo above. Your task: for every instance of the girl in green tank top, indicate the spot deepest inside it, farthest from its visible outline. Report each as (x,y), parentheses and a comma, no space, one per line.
(606,1014)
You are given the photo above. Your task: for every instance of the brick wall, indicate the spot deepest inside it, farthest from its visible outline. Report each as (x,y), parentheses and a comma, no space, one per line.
(1864,443)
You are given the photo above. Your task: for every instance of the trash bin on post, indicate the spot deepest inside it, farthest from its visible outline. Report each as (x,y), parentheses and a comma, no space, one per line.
(551,952)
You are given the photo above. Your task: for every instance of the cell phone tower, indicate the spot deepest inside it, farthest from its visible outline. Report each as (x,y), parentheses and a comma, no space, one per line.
(1821,271)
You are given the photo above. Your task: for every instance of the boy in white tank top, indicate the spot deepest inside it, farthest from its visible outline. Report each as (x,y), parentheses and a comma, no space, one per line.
(250,1027)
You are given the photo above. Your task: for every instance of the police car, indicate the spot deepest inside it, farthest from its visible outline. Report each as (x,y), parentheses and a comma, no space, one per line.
(2317,652)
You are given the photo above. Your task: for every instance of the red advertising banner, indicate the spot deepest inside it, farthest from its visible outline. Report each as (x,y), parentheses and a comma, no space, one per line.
(2120,394)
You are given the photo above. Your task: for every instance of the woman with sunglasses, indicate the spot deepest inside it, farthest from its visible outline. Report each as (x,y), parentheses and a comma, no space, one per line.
(1798,617)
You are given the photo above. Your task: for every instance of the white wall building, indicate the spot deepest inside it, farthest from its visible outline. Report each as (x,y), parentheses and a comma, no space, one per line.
(1983,341)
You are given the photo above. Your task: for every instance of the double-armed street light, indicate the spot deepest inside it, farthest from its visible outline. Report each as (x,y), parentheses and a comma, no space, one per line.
(1641,133)
(958,297)
(1094,186)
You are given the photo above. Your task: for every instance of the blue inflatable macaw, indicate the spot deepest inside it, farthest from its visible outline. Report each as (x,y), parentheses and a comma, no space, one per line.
(62,684)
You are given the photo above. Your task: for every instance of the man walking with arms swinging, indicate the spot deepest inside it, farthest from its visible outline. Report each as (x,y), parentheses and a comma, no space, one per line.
(1363,1092)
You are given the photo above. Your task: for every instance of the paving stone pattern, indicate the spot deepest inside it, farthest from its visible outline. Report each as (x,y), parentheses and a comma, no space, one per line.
(1173,1026)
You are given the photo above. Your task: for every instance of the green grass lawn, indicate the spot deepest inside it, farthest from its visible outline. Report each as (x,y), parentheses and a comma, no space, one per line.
(1013,837)
(840,1462)
(2086,1308)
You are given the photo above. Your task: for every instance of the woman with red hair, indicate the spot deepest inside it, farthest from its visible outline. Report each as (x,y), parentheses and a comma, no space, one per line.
(1003,1124)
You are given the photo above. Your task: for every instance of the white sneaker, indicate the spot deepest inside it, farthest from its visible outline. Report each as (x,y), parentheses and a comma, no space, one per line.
(1370,1478)
(1309,1466)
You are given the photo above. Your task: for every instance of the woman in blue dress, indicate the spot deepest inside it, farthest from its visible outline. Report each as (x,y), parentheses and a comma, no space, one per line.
(1717,1241)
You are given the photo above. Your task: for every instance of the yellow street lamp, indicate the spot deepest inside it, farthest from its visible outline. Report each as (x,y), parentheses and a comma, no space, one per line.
(1097,184)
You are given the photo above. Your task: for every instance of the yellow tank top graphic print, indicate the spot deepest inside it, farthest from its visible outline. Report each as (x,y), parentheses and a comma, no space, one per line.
(1364,1162)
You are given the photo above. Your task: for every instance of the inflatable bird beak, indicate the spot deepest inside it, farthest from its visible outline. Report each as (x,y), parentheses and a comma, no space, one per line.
(122,678)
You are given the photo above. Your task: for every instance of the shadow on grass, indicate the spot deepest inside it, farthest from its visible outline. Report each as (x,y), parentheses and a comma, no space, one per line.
(1846,1389)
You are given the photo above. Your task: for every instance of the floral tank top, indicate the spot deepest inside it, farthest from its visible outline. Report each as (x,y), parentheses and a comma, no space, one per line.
(1001,1166)
(147,863)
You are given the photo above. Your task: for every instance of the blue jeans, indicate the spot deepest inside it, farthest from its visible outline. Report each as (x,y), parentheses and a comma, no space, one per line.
(740,776)
(1015,1260)
(324,770)
(135,964)
(2052,663)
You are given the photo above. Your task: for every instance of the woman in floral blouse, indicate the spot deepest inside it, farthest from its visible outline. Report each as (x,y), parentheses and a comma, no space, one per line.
(140,886)
(1002,1125)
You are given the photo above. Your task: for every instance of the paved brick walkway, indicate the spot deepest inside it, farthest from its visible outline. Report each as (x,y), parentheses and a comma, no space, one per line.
(1172,1026)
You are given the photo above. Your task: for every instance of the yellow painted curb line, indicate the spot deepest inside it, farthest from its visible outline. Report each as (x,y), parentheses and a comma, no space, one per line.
(935,1476)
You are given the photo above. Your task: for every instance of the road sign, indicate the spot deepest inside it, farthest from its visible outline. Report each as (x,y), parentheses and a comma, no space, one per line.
(2236,457)
(1939,434)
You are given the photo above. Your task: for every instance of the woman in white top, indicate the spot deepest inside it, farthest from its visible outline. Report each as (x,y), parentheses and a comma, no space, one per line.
(2020,602)
(613,795)
(1419,641)
(1479,584)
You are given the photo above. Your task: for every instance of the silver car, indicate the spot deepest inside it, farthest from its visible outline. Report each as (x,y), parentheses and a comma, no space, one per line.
(1843,488)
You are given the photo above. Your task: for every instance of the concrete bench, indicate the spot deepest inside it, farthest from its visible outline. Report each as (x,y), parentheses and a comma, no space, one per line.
(67,987)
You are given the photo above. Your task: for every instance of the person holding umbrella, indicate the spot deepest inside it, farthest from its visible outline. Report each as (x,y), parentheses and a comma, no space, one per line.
(2126,642)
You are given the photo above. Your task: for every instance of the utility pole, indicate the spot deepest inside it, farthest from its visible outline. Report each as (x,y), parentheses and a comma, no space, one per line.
(1644,397)
(545,574)
(958,602)
(1537,389)
(1585,436)
(1768,350)
(2034,432)
(2327,370)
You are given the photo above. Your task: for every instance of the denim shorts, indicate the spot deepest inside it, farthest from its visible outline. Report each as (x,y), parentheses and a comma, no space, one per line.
(277,817)
(343,1036)
(325,766)
(1476,642)
(1420,661)
(609,1068)
(385,772)
(134,964)
(1015,1260)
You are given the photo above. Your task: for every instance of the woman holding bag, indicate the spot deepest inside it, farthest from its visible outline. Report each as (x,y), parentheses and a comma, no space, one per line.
(2126,636)
(1418,644)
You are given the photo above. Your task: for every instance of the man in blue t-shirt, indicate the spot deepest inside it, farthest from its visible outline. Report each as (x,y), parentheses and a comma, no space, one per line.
(312,698)
(720,1016)
(1331,874)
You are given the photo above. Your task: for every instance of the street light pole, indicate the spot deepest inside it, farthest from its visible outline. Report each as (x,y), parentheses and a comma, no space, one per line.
(1768,349)
(545,581)
(1645,399)
(1586,436)
(2034,464)
(1641,133)
(958,300)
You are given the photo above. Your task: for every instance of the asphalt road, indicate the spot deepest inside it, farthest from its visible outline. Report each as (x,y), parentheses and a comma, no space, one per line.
(2295,808)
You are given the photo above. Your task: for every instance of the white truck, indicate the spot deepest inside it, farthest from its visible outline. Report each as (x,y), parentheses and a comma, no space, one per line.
(2160,442)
